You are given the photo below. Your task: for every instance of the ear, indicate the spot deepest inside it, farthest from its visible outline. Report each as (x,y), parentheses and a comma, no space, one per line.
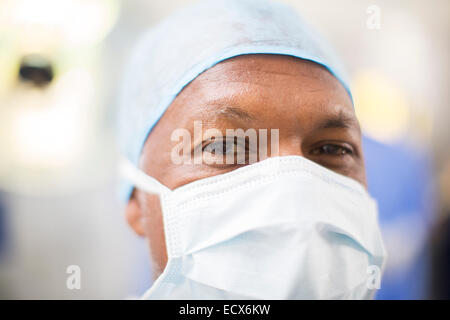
(134,215)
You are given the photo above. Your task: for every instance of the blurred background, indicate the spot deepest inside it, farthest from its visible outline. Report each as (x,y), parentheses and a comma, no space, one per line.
(61,64)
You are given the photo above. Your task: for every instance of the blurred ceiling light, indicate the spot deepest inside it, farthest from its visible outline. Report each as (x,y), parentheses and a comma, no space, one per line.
(48,128)
(72,22)
(381,106)
(47,136)
(36,69)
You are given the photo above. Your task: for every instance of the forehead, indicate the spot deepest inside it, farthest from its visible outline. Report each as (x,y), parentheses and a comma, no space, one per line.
(256,68)
(271,87)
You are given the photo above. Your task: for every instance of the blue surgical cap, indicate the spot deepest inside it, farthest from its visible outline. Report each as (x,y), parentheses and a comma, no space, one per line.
(174,52)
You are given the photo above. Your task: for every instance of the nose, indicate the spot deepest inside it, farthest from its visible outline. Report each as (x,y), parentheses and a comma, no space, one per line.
(288,146)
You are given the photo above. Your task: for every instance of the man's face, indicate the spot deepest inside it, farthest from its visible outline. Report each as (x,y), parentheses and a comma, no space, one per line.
(309,107)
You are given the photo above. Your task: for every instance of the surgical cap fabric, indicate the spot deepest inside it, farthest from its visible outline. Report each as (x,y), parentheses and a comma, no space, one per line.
(174,52)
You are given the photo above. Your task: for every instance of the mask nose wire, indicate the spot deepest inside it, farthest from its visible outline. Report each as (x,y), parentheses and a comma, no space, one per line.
(139,179)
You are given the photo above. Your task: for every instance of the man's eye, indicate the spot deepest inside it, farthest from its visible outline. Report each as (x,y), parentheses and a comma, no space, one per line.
(224,147)
(333,150)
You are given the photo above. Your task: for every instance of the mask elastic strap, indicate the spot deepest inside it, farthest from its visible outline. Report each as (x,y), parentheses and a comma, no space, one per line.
(139,179)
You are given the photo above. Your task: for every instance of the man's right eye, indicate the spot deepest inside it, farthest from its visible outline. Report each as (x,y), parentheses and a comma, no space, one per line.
(226,151)
(224,146)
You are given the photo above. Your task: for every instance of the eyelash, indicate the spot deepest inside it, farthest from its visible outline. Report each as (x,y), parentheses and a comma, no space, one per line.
(327,149)
(339,150)
(225,142)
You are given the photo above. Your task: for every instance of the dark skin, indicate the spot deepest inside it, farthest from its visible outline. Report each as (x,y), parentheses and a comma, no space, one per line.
(311,109)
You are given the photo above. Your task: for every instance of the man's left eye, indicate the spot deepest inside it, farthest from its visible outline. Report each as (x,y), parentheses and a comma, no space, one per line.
(333,150)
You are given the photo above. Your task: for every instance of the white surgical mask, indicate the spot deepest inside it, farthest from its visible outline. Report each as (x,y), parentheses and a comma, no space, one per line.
(282,228)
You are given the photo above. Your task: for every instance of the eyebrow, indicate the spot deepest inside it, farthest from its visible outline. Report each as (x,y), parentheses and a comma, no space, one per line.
(235,113)
(339,121)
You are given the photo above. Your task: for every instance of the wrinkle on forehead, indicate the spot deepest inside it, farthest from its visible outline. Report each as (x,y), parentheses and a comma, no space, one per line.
(239,75)
(248,68)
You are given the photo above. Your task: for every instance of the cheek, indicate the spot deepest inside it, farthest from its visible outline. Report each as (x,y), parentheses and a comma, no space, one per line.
(154,232)
(357,173)
(363,177)
(360,176)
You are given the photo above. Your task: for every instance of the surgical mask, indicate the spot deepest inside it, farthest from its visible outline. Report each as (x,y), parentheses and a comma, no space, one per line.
(282,228)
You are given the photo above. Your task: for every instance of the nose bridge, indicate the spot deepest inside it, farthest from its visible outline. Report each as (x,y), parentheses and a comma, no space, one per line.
(290,146)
